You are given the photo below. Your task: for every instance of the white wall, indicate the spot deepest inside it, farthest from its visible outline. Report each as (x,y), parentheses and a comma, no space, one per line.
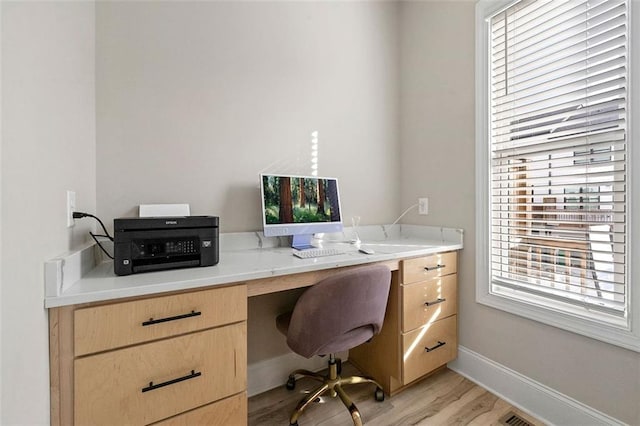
(195,99)
(48,146)
(437,110)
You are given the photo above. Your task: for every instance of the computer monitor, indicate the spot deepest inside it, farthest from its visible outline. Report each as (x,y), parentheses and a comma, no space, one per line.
(299,206)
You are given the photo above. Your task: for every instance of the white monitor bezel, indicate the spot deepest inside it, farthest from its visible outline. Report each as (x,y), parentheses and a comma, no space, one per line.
(284,229)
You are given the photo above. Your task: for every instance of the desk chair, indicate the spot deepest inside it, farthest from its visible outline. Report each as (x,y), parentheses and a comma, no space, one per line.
(336,314)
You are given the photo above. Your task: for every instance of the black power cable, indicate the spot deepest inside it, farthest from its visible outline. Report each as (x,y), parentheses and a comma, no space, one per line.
(80,215)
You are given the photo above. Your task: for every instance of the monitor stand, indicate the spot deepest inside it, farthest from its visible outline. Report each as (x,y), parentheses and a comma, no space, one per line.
(302,242)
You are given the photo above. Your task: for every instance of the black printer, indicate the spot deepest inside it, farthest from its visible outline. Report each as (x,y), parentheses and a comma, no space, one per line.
(158,243)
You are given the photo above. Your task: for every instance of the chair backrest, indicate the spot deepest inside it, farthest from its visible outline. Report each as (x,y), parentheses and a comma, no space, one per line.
(340,312)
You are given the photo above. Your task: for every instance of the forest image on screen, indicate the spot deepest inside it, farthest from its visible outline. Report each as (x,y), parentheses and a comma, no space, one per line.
(291,199)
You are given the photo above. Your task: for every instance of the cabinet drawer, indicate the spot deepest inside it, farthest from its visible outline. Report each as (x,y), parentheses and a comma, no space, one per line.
(101,328)
(154,381)
(429,347)
(230,411)
(428,301)
(424,268)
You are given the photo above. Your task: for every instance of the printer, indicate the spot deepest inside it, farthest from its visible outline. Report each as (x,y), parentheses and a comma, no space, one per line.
(159,243)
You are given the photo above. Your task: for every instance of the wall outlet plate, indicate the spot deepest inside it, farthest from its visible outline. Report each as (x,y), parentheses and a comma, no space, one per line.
(71,207)
(423,206)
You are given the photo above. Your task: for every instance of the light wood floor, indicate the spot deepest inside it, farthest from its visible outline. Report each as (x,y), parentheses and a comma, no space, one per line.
(444,398)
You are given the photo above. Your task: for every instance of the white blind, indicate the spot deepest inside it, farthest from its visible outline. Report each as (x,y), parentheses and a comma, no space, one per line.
(558,151)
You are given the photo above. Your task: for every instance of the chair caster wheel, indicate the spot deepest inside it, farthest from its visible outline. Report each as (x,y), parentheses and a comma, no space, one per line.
(379,395)
(291,383)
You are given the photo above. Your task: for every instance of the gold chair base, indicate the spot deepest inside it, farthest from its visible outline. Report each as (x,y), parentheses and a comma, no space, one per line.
(331,383)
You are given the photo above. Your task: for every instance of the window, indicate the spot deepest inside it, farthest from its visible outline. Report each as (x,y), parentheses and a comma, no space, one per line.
(554,157)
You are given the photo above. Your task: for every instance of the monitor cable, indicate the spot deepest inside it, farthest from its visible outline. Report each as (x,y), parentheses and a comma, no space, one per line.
(405,212)
(384,227)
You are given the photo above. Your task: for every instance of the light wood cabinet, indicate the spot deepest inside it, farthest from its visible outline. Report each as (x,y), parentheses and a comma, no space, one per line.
(420,331)
(428,301)
(427,267)
(100,328)
(169,358)
(232,411)
(428,347)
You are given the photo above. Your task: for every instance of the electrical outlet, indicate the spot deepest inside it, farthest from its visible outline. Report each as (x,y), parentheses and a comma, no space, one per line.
(71,207)
(423,206)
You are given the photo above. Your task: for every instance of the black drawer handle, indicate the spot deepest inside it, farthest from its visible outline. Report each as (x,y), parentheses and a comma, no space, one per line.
(177,317)
(434,268)
(435,302)
(151,386)
(436,346)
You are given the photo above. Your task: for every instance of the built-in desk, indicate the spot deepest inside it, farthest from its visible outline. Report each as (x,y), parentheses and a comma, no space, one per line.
(170,347)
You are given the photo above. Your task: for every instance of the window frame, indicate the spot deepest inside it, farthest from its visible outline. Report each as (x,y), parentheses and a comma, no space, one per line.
(626,331)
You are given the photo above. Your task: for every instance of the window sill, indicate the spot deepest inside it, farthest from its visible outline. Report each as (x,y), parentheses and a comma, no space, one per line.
(616,331)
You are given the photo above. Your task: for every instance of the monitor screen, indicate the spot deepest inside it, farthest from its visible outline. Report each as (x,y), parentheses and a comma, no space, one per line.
(300,206)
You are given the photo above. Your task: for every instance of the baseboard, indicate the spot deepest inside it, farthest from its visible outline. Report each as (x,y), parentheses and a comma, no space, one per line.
(273,372)
(534,398)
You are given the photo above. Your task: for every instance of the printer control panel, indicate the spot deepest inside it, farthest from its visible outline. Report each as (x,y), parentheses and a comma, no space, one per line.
(165,247)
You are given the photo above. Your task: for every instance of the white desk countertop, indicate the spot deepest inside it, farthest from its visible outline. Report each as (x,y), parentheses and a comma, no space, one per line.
(74,278)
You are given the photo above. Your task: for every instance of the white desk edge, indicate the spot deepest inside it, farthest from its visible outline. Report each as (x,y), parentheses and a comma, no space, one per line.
(243,257)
